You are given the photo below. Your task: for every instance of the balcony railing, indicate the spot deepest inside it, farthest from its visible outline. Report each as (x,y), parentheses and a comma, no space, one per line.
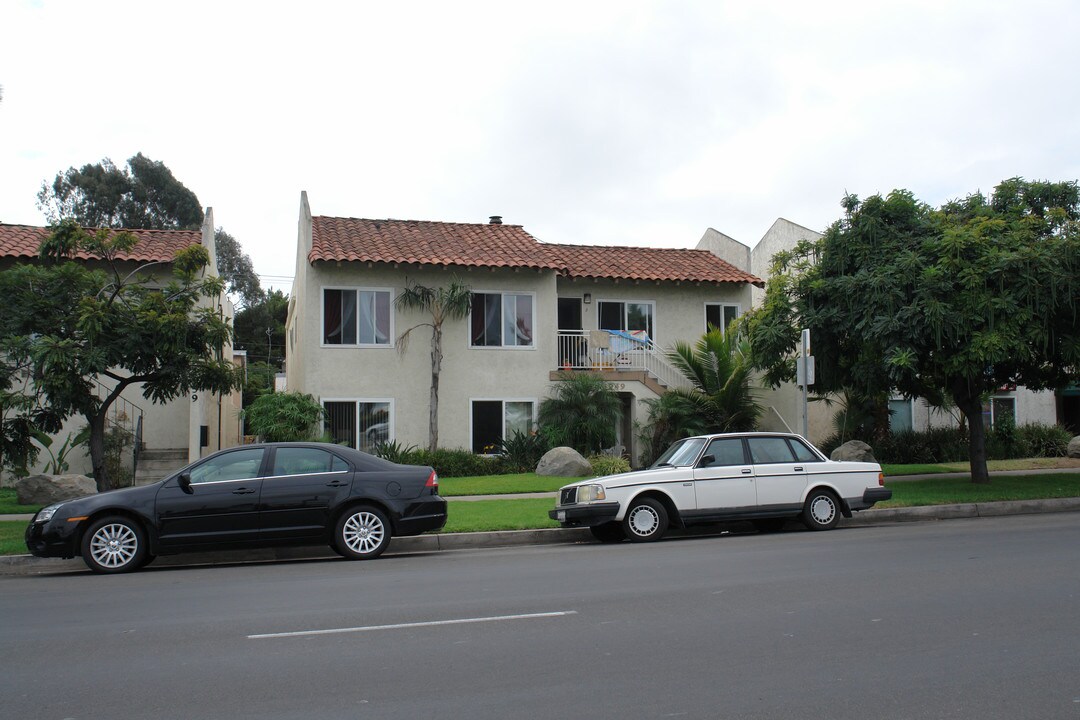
(618,352)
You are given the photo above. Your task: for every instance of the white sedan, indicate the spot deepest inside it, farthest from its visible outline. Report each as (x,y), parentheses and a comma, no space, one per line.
(763,477)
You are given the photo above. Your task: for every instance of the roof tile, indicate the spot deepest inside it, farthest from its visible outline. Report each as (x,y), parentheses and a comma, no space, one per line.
(23,241)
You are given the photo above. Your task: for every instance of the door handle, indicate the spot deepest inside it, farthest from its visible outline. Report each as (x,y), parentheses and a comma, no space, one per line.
(336,483)
(746,471)
(243,491)
(798,469)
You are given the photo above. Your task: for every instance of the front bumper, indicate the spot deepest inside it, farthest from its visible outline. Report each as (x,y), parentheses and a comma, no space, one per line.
(52,539)
(584,515)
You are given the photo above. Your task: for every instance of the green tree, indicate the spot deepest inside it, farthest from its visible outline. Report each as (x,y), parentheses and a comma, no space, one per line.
(67,325)
(265,353)
(441,304)
(721,399)
(947,304)
(285,417)
(142,195)
(582,414)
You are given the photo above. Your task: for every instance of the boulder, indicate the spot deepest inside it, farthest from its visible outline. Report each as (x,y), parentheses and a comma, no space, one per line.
(49,489)
(1074,447)
(853,451)
(563,462)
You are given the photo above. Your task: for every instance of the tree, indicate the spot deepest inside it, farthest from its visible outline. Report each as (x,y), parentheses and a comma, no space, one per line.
(721,399)
(441,304)
(285,417)
(265,354)
(67,325)
(582,414)
(946,304)
(143,195)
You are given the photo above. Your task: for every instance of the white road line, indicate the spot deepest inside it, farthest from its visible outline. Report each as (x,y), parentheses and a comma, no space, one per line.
(432,623)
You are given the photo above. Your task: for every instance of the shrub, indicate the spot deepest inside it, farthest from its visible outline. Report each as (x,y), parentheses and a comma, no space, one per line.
(582,414)
(455,463)
(394,452)
(285,417)
(1044,440)
(522,451)
(608,465)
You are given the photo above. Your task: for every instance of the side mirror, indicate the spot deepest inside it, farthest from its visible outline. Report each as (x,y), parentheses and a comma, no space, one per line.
(706,461)
(184,481)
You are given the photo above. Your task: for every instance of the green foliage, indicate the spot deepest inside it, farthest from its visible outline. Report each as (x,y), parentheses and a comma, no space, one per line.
(582,414)
(608,465)
(944,304)
(949,444)
(236,267)
(58,464)
(395,452)
(285,417)
(521,452)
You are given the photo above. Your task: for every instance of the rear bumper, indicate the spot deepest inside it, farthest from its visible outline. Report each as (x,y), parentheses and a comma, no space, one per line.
(419,517)
(869,497)
(584,515)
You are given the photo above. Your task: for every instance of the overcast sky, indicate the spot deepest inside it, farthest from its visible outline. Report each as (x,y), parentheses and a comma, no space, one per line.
(630,122)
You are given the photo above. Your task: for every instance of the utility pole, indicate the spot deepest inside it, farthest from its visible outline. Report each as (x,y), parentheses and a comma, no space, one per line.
(269,362)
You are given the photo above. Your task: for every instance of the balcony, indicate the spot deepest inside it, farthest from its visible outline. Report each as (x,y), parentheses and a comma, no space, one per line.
(618,356)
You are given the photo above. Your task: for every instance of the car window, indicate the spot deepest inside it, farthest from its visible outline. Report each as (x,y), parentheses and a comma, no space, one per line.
(682,454)
(803,453)
(236,465)
(301,461)
(770,450)
(726,451)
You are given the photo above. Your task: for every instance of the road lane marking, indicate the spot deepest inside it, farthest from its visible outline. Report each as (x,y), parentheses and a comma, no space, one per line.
(400,626)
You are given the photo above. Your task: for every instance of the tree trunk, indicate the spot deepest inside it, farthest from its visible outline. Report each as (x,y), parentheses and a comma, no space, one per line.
(433,405)
(97,449)
(971,406)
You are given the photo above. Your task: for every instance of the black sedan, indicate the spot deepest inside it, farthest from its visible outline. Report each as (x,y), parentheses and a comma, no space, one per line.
(245,497)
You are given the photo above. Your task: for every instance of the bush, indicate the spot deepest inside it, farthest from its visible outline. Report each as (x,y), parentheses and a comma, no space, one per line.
(1044,440)
(285,417)
(394,452)
(608,465)
(522,452)
(455,463)
(942,445)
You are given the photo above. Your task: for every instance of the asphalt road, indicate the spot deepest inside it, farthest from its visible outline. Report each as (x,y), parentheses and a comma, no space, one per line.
(960,619)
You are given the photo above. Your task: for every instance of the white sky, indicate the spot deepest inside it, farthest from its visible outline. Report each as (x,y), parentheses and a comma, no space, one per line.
(630,122)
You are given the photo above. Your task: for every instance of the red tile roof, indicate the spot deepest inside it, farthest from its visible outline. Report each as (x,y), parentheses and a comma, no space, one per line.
(650,264)
(23,241)
(491,245)
(425,243)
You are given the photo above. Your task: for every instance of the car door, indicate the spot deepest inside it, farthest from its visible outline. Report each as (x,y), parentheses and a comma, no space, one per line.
(303,484)
(781,477)
(221,504)
(724,479)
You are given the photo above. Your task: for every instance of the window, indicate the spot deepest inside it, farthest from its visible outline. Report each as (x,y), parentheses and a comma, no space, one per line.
(356,317)
(502,320)
(719,315)
(802,453)
(628,316)
(360,424)
(726,451)
(766,450)
(900,415)
(304,461)
(999,410)
(496,420)
(238,465)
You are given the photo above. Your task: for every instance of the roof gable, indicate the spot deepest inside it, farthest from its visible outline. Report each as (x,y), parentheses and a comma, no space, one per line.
(23,241)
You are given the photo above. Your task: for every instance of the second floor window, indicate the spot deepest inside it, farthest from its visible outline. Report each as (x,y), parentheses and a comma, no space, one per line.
(356,317)
(628,316)
(501,320)
(720,315)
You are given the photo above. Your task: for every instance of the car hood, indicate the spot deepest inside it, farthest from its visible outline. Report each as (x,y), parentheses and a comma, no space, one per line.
(637,477)
(119,496)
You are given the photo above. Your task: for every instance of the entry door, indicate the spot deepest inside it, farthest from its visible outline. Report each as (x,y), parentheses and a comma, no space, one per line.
(725,480)
(781,476)
(223,505)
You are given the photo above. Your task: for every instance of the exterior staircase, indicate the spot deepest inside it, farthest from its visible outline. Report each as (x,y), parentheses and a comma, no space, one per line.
(156,464)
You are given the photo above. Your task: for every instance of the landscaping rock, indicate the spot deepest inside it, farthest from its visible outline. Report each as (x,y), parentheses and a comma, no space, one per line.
(49,489)
(853,451)
(563,462)
(1074,447)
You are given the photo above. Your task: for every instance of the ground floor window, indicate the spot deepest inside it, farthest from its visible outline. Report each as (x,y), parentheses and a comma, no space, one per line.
(900,415)
(496,420)
(998,410)
(360,424)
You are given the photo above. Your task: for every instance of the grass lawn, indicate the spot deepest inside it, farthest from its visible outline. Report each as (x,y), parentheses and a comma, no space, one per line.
(991,465)
(951,491)
(500,484)
(9,504)
(11,537)
(484,515)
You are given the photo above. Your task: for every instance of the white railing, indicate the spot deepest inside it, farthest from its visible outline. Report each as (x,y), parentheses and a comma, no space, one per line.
(597,350)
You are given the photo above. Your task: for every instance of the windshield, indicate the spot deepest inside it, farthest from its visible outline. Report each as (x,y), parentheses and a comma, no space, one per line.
(681,454)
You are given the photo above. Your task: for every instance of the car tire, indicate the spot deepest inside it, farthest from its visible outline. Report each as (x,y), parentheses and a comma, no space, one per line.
(114,544)
(645,521)
(821,510)
(609,532)
(362,533)
(770,525)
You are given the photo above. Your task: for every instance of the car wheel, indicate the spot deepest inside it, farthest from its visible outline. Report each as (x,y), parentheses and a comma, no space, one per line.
(821,511)
(362,533)
(610,532)
(770,525)
(114,545)
(645,521)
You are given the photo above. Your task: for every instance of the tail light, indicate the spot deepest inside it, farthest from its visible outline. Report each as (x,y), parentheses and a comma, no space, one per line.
(881,479)
(432,483)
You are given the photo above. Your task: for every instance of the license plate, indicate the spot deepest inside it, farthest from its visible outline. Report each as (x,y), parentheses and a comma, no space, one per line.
(561,515)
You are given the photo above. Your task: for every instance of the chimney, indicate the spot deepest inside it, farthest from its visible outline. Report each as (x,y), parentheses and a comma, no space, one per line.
(495,220)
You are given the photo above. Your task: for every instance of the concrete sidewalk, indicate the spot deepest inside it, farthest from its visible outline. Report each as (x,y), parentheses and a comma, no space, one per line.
(29,565)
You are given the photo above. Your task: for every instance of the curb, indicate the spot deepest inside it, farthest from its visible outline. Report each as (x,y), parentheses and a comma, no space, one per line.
(30,565)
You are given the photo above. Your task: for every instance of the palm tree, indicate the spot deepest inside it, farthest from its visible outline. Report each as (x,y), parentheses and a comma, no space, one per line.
(721,400)
(442,303)
(582,414)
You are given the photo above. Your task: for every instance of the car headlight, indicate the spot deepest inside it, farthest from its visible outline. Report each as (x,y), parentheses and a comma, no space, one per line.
(45,514)
(590,493)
